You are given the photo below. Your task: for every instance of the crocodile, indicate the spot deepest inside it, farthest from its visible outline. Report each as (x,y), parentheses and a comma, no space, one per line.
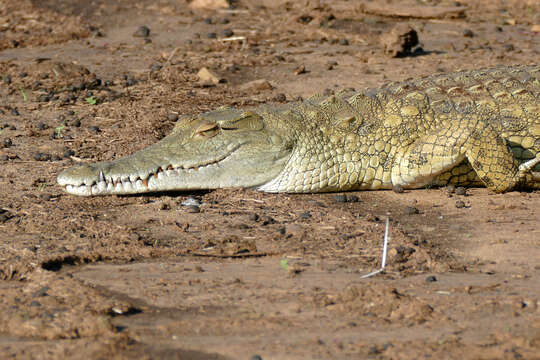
(466,128)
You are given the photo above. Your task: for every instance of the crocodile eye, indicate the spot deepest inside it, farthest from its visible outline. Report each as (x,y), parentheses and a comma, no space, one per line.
(246,121)
(207,129)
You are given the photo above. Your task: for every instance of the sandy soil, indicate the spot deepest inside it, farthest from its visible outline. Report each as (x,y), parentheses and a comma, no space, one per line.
(246,275)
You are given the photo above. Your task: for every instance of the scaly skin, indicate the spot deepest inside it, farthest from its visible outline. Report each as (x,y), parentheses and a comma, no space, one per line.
(468,128)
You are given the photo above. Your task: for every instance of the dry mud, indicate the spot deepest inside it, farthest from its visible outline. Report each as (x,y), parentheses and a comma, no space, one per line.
(251,274)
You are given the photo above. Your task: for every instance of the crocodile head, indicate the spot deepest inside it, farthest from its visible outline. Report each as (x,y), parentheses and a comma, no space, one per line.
(222,148)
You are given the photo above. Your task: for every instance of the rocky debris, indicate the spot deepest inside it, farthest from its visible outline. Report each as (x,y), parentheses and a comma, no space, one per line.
(207,77)
(400,41)
(257,85)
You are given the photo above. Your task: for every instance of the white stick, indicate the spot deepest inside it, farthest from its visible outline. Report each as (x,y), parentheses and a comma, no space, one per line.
(384,252)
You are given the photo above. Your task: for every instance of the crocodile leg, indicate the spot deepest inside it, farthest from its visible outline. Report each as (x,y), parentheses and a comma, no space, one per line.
(438,158)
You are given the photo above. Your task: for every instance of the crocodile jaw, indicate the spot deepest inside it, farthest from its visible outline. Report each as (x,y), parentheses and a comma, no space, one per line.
(186,160)
(96,179)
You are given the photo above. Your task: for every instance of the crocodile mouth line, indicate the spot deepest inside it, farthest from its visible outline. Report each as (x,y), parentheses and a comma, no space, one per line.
(135,183)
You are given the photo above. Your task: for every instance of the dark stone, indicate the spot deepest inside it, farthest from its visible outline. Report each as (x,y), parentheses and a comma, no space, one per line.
(461,191)
(142,31)
(94,129)
(68,152)
(172,117)
(431,278)
(342,198)
(39,156)
(280,97)
(227,33)
(253,217)
(468,33)
(211,35)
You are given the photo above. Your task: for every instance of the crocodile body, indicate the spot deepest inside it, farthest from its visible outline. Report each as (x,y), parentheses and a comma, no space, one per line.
(468,128)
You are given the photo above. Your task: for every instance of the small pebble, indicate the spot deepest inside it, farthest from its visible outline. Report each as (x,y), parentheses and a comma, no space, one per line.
(191,201)
(211,35)
(282,230)
(450,189)
(142,31)
(460,204)
(224,21)
(227,33)
(267,220)
(280,97)
(39,156)
(23,74)
(7,79)
(468,33)
(7,143)
(208,21)
(431,278)
(253,217)
(4,216)
(15,112)
(94,129)
(42,126)
(353,198)
(165,206)
(306,215)
(68,153)
(256,357)
(343,42)
(45,197)
(342,198)
(398,189)
(460,190)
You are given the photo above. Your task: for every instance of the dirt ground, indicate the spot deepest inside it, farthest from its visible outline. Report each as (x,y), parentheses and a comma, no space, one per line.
(247,275)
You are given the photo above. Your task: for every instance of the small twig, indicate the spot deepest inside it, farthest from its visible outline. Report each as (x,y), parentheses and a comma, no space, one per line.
(234,38)
(169,59)
(385,247)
